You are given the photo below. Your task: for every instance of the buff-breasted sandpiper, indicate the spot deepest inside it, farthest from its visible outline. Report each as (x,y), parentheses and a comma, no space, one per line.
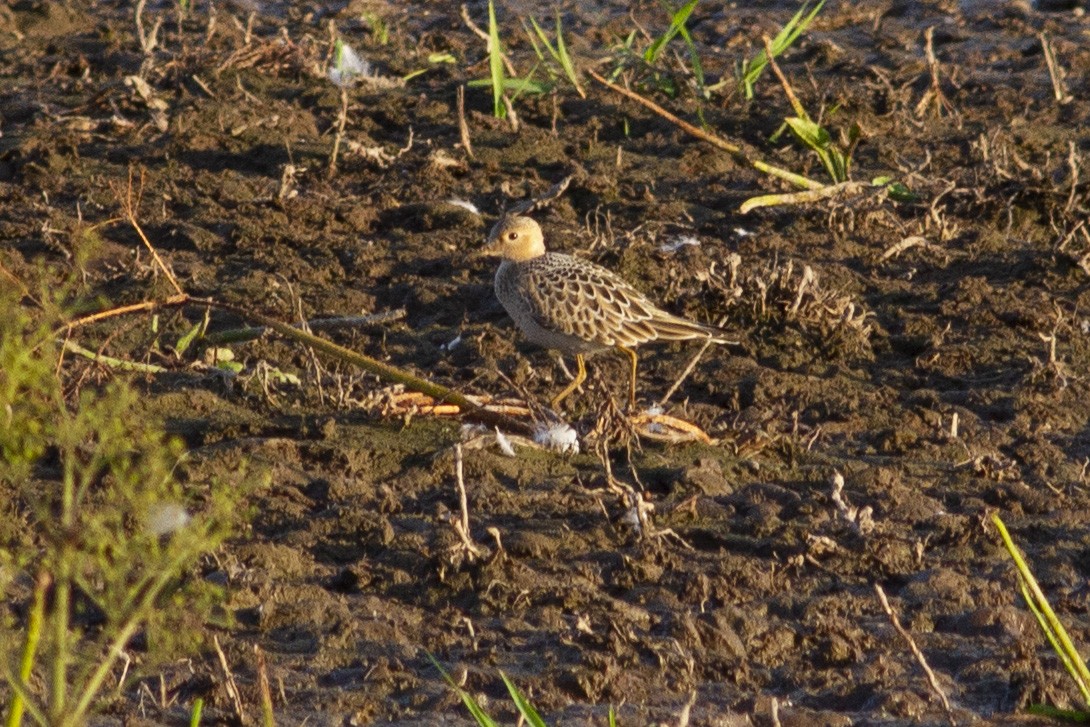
(571,305)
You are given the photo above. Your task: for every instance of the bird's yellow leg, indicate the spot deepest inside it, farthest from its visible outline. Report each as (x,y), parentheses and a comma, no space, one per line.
(632,377)
(580,377)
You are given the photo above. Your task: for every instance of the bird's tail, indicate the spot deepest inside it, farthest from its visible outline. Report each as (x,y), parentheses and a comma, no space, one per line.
(673,328)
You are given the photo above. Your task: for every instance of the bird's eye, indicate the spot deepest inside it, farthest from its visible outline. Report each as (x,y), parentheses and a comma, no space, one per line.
(512,236)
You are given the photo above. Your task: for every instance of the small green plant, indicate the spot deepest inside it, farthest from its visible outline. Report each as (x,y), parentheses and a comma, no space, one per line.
(677,27)
(498,80)
(1053,630)
(112,529)
(558,52)
(525,709)
(649,72)
(380,31)
(836,158)
(751,70)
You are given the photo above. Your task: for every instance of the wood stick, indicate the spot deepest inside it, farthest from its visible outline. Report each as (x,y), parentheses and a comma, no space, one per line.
(716,141)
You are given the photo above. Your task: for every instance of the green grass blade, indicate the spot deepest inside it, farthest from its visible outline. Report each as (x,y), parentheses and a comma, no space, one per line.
(195,715)
(789,33)
(1067,715)
(479,714)
(559,52)
(515,85)
(522,704)
(676,23)
(495,63)
(698,67)
(566,60)
(520,86)
(1054,630)
(539,40)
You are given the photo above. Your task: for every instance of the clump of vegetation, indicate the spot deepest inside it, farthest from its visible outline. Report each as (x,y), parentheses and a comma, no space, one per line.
(527,713)
(646,66)
(109,530)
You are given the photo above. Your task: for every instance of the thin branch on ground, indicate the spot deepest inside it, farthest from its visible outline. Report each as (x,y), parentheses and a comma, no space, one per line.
(241,335)
(461,525)
(230,685)
(796,105)
(463,127)
(130,208)
(716,141)
(685,374)
(1055,72)
(699,133)
(932,680)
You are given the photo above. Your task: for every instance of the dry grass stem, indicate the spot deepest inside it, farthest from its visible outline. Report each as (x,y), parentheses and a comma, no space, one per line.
(665,428)
(461,526)
(932,680)
(699,133)
(267,717)
(843,190)
(527,206)
(238,335)
(130,208)
(148,41)
(906,244)
(716,141)
(342,121)
(145,306)
(463,127)
(685,374)
(230,685)
(796,105)
(934,94)
(1055,72)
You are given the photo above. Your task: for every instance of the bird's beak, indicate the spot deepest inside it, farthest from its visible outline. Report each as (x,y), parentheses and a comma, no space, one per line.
(490,249)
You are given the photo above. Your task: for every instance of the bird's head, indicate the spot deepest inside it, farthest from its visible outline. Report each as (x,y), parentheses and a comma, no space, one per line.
(516,239)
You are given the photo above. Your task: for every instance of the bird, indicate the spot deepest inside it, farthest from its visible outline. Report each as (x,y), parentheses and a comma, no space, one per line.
(574,306)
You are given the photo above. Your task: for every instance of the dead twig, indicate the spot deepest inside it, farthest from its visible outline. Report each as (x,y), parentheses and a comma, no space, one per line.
(1055,72)
(263,685)
(932,680)
(463,127)
(843,190)
(527,206)
(685,374)
(230,685)
(338,137)
(716,141)
(699,133)
(461,526)
(130,208)
(241,335)
(665,428)
(934,94)
(796,105)
(148,41)
(145,306)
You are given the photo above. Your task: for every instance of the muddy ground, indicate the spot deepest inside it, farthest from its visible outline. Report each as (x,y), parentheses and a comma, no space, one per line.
(936,355)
